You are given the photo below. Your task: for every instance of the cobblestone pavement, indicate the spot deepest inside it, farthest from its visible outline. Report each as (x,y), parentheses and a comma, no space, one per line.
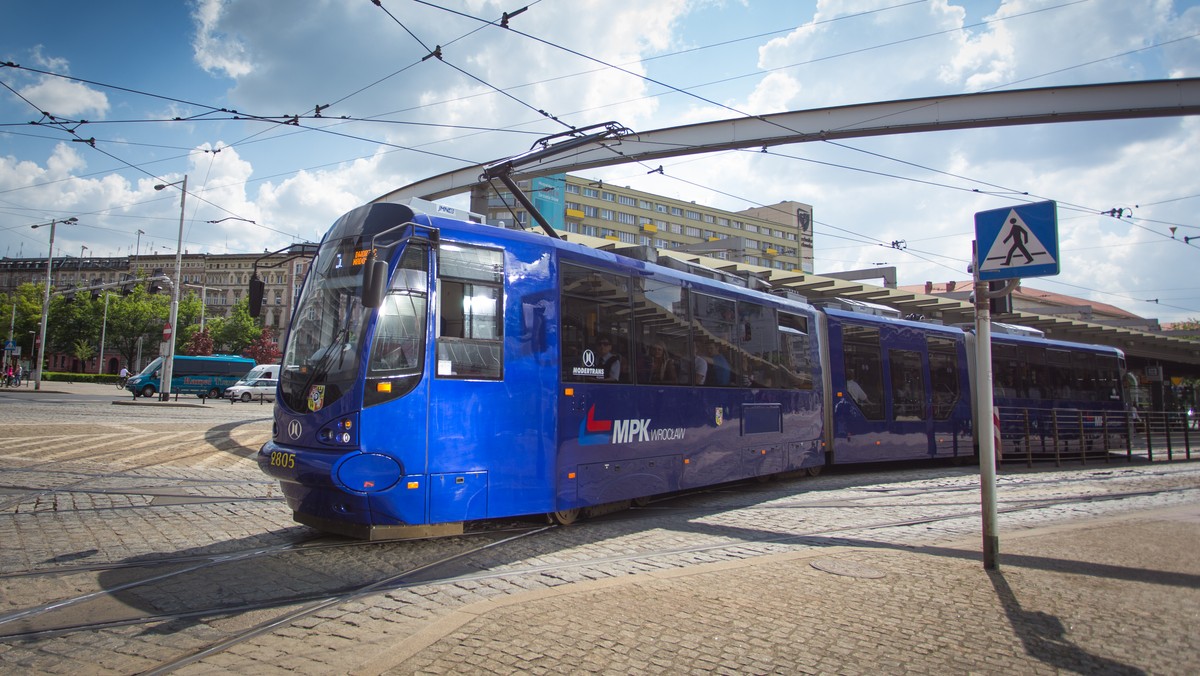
(865,572)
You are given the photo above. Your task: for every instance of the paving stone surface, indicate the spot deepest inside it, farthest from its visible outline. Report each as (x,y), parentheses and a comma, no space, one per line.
(864,573)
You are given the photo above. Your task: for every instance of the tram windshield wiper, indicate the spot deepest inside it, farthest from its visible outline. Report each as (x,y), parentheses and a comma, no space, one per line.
(338,345)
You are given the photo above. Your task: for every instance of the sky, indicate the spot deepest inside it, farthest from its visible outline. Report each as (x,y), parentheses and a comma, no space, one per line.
(283,115)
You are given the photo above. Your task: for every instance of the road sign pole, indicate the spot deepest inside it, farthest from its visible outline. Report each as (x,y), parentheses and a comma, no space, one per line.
(1010,243)
(983,432)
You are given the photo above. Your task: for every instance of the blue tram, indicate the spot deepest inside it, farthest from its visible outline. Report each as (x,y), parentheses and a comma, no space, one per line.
(1048,390)
(901,389)
(438,371)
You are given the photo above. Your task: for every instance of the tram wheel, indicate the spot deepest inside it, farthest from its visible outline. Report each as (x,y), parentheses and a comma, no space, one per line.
(814,471)
(642,501)
(565,517)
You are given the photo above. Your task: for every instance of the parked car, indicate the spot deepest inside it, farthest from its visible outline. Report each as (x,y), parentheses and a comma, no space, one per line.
(262,389)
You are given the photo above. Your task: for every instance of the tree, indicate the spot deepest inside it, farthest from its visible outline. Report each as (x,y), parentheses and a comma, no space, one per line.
(72,320)
(263,350)
(138,316)
(1192,324)
(233,334)
(188,320)
(200,344)
(83,350)
(28,298)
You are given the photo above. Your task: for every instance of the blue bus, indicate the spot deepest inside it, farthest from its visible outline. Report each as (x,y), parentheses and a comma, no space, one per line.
(438,371)
(201,376)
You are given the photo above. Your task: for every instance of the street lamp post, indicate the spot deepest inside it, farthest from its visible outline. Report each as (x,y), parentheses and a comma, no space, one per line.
(203,286)
(137,249)
(169,359)
(41,352)
(103,331)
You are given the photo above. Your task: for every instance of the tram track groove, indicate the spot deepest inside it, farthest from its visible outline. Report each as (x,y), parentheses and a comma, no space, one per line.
(738,550)
(193,564)
(173,457)
(310,609)
(852,498)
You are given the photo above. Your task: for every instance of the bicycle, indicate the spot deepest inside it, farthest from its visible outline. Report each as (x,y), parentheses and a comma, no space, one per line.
(121,382)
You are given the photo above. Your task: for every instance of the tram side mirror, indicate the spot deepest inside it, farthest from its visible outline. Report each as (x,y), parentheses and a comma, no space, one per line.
(374,283)
(257,288)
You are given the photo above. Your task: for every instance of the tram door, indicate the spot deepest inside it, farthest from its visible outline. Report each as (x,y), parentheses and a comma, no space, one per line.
(908,400)
(474,416)
(895,391)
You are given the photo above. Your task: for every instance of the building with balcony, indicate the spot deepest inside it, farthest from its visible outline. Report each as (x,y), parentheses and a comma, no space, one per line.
(777,237)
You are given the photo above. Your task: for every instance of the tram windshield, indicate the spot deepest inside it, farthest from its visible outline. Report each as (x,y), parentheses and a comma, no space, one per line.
(321,361)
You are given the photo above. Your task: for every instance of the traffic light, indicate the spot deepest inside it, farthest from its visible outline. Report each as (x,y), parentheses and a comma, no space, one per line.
(96,290)
(155,284)
(1001,304)
(126,284)
(257,289)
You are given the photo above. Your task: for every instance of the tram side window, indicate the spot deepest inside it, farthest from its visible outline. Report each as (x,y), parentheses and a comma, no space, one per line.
(595,326)
(1059,378)
(1109,378)
(756,355)
(908,385)
(661,335)
(943,375)
(795,353)
(1009,370)
(1095,376)
(470,311)
(863,362)
(714,341)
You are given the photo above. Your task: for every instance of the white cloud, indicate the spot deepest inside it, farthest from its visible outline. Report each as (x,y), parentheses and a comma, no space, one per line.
(216,50)
(271,58)
(64,98)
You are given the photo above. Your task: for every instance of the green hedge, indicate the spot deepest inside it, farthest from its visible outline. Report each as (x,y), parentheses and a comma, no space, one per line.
(102,378)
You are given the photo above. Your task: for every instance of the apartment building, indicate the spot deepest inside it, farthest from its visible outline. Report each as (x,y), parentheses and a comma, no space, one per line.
(777,236)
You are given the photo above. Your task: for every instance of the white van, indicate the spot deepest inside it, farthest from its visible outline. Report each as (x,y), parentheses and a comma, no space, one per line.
(259,383)
(262,371)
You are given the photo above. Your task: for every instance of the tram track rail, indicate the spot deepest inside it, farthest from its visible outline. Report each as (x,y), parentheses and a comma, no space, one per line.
(297,607)
(449,569)
(558,567)
(183,565)
(163,455)
(225,616)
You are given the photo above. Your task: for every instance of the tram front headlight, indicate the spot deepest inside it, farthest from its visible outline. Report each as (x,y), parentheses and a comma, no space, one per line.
(338,432)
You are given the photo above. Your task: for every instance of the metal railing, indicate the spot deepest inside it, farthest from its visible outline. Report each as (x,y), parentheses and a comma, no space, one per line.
(1072,435)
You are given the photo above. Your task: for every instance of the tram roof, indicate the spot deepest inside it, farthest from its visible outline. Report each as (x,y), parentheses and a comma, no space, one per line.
(1133,343)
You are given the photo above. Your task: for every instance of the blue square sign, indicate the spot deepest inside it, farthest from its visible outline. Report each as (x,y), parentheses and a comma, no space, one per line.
(1017,242)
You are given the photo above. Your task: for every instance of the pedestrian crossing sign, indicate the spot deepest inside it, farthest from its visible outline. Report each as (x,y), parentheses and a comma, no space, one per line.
(1017,242)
